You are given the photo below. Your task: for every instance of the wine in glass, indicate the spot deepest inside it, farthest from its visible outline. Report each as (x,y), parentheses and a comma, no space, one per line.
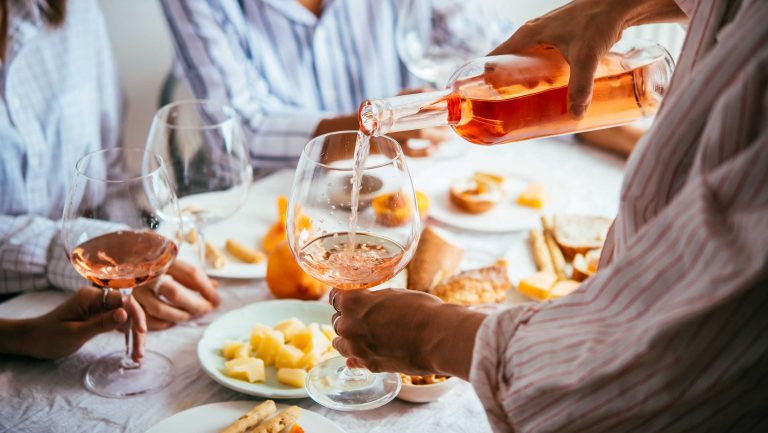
(207,160)
(121,228)
(351,247)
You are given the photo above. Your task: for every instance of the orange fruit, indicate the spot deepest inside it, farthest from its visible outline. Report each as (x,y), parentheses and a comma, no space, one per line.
(286,279)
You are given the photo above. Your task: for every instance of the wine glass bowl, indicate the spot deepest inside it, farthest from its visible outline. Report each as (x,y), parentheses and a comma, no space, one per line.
(207,160)
(121,228)
(345,243)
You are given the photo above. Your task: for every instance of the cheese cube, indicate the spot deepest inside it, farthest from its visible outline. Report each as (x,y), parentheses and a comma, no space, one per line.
(244,351)
(328,331)
(230,348)
(534,195)
(290,327)
(318,343)
(292,376)
(538,285)
(257,333)
(289,357)
(563,288)
(309,360)
(249,369)
(269,346)
(303,338)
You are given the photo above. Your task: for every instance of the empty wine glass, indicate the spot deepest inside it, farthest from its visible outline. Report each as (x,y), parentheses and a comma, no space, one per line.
(435,37)
(122,228)
(208,163)
(386,231)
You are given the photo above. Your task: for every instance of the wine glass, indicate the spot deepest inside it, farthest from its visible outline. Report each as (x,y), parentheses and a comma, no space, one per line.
(435,37)
(207,160)
(352,250)
(122,228)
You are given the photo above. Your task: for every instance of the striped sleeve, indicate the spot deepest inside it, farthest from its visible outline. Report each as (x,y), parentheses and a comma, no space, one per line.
(211,43)
(32,256)
(674,327)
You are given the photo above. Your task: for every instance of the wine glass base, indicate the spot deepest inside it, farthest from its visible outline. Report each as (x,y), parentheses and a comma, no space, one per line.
(330,385)
(107,378)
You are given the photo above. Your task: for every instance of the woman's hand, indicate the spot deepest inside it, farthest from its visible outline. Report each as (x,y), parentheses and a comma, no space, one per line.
(66,328)
(405,331)
(184,293)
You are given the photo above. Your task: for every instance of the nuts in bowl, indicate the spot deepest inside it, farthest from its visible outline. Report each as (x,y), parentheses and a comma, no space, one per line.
(423,389)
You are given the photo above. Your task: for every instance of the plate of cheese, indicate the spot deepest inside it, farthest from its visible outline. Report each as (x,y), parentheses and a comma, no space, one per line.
(265,349)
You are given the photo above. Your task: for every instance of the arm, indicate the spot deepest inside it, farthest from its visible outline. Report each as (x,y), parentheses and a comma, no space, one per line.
(583,31)
(210,48)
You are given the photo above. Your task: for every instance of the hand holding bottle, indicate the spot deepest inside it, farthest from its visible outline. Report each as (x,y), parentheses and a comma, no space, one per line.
(584,31)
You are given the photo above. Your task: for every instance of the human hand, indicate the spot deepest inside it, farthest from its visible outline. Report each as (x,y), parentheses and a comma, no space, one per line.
(183,293)
(582,31)
(404,330)
(66,328)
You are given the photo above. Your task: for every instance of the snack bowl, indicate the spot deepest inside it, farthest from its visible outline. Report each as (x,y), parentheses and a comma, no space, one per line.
(426,393)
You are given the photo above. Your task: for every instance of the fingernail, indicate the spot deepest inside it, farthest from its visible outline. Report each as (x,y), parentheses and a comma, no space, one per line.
(577,111)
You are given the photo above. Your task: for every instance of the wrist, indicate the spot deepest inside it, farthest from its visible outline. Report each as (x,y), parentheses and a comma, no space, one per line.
(452,336)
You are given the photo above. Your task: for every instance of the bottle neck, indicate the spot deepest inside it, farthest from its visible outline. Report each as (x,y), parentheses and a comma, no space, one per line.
(404,113)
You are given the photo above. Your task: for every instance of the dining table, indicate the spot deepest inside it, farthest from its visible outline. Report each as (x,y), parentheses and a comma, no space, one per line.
(40,395)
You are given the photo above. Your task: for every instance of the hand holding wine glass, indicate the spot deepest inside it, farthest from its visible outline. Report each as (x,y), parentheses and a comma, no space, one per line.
(347,246)
(121,230)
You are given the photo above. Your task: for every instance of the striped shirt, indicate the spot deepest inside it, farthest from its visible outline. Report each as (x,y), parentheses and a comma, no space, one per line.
(60,100)
(672,334)
(282,68)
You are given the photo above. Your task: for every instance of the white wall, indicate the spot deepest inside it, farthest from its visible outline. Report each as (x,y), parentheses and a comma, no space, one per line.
(144,55)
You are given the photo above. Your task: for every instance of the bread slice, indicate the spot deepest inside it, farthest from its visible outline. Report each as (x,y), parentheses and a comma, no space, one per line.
(435,259)
(585,265)
(577,234)
(477,286)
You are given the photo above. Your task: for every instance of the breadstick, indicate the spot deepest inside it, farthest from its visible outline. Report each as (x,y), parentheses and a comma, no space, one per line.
(280,421)
(558,261)
(540,251)
(214,256)
(191,236)
(248,255)
(252,417)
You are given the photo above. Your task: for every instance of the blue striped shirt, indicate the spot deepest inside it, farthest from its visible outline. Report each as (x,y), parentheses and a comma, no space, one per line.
(282,68)
(60,100)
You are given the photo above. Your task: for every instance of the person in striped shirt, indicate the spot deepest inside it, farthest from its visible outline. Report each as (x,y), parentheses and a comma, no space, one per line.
(291,69)
(671,334)
(61,100)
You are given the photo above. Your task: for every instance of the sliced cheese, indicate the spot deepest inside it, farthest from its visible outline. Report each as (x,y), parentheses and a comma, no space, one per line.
(563,288)
(538,285)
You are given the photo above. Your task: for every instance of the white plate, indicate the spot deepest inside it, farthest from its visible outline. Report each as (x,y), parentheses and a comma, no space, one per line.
(248,225)
(236,325)
(215,417)
(507,216)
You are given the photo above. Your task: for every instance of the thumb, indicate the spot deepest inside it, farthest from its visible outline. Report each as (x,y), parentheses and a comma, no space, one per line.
(104,322)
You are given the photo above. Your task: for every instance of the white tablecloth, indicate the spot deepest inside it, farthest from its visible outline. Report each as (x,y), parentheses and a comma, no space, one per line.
(49,396)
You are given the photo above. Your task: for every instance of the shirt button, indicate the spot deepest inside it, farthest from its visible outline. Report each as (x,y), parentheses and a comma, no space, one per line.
(34,161)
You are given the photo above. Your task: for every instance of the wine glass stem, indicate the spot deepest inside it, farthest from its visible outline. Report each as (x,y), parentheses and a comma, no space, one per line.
(127,361)
(201,245)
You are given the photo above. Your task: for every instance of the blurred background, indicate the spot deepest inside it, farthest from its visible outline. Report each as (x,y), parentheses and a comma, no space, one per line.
(144,51)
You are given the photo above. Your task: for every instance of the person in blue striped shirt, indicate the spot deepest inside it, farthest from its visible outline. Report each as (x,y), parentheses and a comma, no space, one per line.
(292,69)
(61,100)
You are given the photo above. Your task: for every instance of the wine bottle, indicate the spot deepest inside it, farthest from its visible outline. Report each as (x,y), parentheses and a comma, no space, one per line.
(501,99)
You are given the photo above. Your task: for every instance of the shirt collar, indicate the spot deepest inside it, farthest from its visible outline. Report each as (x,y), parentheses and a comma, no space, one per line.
(295,11)
(24,22)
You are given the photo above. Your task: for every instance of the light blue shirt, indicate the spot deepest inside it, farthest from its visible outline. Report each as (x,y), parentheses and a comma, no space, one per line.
(282,68)
(60,100)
